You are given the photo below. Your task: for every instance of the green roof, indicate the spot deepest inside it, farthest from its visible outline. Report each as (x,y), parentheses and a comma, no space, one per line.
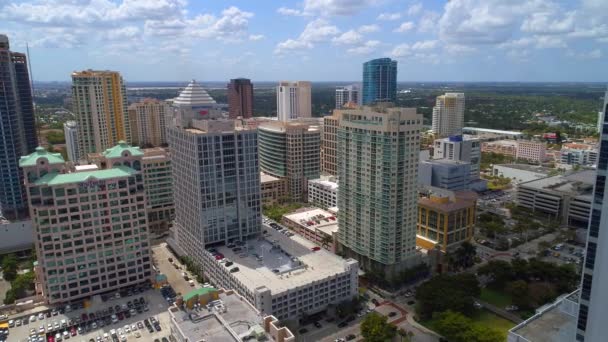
(55,178)
(116,151)
(32,159)
(198,292)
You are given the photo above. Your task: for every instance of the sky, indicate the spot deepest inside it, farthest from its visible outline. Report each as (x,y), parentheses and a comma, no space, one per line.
(316,40)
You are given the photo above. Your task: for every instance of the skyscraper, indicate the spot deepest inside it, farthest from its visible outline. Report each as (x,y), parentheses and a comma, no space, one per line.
(147,119)
(70,130)
(377,168)
(293,100)
(240,98)
(17,128)
(290,150)
(348,94)
(592,308)
(379,81)
(448,115)
(216,177)
(99,100)
(329,145)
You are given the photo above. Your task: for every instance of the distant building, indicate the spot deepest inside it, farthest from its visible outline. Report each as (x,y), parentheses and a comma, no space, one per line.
(293,100)
(491,134)
(323,192)
(158,183)
(520,173)
(445,174)
(100,104)
(534,151)
(348,94)
(274,189)
(148,121)
(379,81)
(104,209)
(502,147)
(446,219)
(329,145)
(240,98)
(17,129)
(70,131)
(578,154)
(448,115)
(290,150)
(193,103)
(460,148)
(567,198)
(316,225)
(225,316)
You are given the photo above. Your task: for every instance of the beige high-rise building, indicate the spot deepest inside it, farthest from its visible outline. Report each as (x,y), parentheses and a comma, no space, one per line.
(329,144)
(158,184)
(91,231)
(147,119)
(378,152)
(99,100)
(293,100)
(448,115)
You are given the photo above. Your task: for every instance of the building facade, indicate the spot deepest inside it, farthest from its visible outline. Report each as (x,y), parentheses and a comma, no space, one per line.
(329,146)
(446,219)
(445,174)
(578,154)
(148,122)
(502,147)
(290,150)
(99,100)
(316,225)
(240,98)
(460,148)
(379,81)
(293,100)
(274,189)
(323,192)
(17,127)
(378,151)
(534,151)
(158,183)
(70,131)
(91,230)
(348,94)
(448,115)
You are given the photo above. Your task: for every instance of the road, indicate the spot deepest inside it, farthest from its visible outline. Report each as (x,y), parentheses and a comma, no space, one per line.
(160,256)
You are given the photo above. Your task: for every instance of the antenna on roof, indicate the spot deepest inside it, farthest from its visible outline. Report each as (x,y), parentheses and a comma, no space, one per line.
(29,66)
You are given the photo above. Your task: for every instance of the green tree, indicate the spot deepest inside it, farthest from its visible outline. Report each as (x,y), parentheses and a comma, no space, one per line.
(465,254)
(458,328)
(405,335)
(518,290)
(499,272)
(9,267)
(375,328)
(447,292)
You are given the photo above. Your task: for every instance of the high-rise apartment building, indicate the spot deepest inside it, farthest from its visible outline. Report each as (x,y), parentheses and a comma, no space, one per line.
(329,145)
(460,148)
(70,131)
(290,150)
(216,178)
(91,231)
(293,100)
(448,115)
(379,81)
(240,98)
(348,94)
(147,119)
(17,128)
(377,169)
(99,100)
(592,305)
(158,184)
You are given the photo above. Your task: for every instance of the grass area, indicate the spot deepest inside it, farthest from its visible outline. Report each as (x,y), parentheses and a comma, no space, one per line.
(483,317)
(494,297)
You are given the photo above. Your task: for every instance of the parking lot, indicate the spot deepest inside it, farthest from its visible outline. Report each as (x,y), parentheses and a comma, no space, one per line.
(96,320)
(173,270)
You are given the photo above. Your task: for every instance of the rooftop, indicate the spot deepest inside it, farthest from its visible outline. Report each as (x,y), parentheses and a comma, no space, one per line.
(40,152)
(233,320)
(193,95)
(488,130)
(312,218)
(55,178)
(292,257)
(526,167)
(512,143)
(578,183)
(448,201)
(118,150)
(325,182)
(266,178)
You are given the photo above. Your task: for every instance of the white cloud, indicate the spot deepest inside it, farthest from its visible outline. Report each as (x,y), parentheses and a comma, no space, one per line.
(593,54)
(231,26)
(389,16)
(428,22)
(291,45)
(290,11)
(316,31)
(365,49)
(457,49)
(425,45)
(351,37)
(256,37)
(545,23)
(414,9)
(369,28)
(336,7)
(538,42)
(127,32)
(404,27)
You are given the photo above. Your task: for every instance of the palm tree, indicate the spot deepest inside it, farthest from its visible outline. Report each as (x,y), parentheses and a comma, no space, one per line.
(326,241)
(466,254)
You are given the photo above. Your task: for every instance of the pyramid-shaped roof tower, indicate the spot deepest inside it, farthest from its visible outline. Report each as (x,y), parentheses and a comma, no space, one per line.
(193,95)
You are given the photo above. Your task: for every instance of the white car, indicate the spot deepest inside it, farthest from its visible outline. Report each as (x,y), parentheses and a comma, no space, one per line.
(114,319)
(66,335)
(127,329)
(32,318)
(137,334)
(123,338)
(133,327)
(11,323)
(40,316)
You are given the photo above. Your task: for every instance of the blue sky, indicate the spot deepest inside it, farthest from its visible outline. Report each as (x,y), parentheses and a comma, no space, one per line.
(317,40)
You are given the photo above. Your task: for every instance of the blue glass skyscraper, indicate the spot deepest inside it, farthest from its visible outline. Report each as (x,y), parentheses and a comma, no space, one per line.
(17,128)
(379,81)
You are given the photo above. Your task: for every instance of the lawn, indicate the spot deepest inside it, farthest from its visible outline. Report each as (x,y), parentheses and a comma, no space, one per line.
(482,317)
(494,297)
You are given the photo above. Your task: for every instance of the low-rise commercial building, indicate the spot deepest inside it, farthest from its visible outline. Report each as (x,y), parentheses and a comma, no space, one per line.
(274,189)
(445,219)
(519,173)
(323,192)
(462,148)
(444,173)
(578,154)
(316,225)
(567,198)
(503,147)
(227,317)
(533,151)
(282,275)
